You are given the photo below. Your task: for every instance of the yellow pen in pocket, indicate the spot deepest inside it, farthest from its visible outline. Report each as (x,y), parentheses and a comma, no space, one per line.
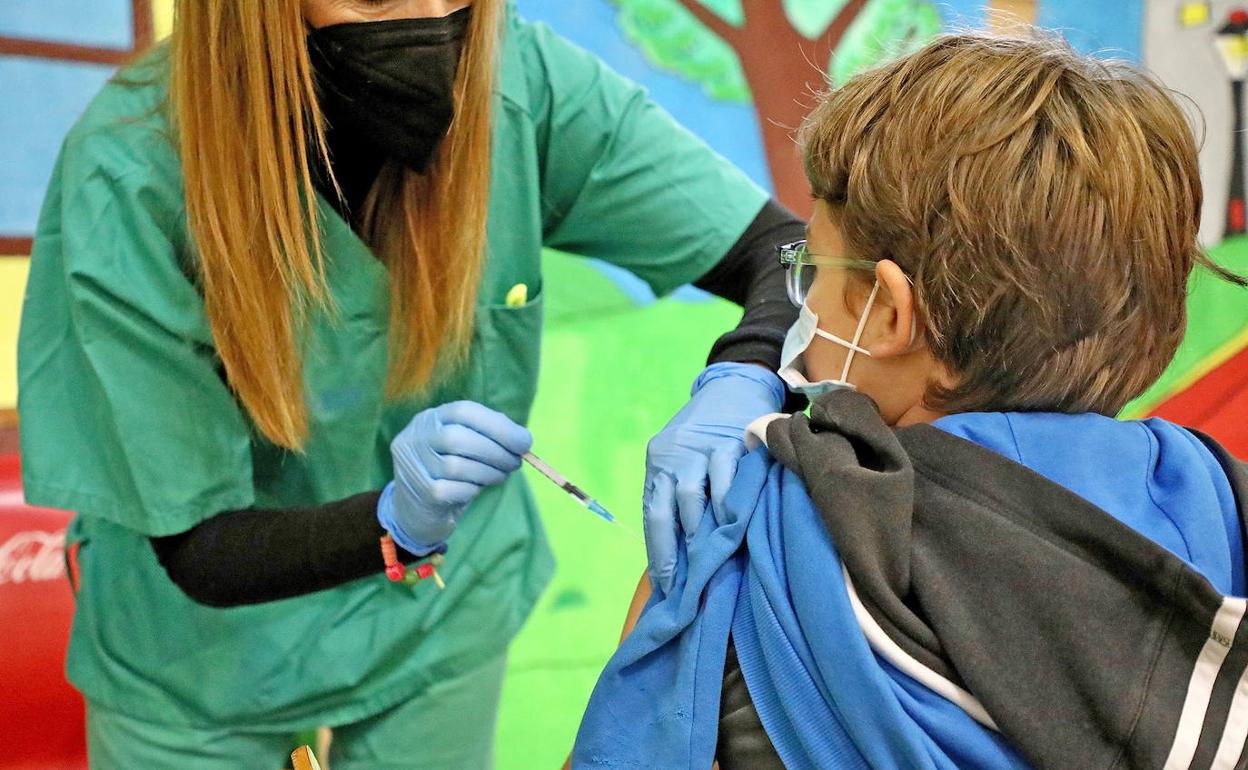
(518,295)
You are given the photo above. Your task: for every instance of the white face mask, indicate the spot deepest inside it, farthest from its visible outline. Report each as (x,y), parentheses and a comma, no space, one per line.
(798,339)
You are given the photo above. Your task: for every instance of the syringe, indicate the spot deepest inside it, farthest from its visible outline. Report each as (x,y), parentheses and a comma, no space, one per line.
(573,490)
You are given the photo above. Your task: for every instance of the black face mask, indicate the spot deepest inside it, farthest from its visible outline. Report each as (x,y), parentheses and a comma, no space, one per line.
(390,84)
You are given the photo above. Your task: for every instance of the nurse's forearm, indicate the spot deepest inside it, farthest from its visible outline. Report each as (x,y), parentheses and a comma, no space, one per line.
(260,555)
(751,276)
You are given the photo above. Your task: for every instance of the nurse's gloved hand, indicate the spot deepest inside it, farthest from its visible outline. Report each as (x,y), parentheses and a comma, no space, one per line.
(702,443)
(442,460)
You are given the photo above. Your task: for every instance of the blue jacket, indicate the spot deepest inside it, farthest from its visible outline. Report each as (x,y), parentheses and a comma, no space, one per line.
(1006,532)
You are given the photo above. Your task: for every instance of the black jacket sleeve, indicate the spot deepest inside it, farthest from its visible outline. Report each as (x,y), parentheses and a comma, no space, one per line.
(254,555)
(751,276)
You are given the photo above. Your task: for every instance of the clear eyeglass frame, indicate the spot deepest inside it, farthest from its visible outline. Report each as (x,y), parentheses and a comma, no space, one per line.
(800,267)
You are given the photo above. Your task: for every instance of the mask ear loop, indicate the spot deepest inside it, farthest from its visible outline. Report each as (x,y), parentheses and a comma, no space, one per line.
(842,342)
(862,324)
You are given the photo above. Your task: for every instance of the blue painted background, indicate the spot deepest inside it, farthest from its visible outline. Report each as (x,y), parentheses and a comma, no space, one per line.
(102,23)
(1102,27)
(1113,28)
(731,129)
(40,100)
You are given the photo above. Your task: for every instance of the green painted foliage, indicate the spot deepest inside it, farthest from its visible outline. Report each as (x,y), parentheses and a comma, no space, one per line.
(1216,314)
(673,39)
(885,29)
(812,17)
(729,10)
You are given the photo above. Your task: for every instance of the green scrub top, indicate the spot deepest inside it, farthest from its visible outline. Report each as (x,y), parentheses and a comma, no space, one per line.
(128,421)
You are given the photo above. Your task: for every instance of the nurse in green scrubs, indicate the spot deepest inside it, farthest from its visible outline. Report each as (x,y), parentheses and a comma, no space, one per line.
(267,323)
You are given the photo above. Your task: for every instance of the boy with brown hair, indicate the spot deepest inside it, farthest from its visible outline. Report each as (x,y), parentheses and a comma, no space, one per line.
(960,558)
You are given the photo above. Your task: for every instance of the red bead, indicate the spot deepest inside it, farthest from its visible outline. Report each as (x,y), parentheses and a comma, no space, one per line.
(395,571)
(424,570)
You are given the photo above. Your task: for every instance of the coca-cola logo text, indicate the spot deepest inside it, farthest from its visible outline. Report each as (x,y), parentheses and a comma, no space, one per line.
(32,556)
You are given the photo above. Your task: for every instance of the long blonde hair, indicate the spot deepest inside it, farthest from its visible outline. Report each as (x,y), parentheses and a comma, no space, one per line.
(250,133)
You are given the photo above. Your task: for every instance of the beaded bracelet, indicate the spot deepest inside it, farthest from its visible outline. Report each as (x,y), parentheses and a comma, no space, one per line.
(397,571)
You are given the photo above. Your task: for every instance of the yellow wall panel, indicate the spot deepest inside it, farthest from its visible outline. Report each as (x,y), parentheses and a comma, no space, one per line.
(12,287)
(162,13)
(1005,16)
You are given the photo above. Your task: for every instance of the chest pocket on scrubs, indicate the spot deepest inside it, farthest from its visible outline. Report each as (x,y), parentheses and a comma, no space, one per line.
(510,339)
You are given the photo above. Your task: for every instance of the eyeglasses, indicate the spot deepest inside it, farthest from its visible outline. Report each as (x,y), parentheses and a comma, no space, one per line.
(799,268)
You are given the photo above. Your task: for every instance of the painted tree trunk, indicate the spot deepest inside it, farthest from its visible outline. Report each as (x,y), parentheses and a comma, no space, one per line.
(784,83)
(785,71)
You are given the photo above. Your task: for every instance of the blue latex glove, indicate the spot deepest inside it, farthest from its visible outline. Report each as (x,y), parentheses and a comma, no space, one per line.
(703,441)
(442,460)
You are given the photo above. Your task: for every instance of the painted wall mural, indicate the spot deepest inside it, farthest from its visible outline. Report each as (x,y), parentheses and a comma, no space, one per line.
(1196,48)
(740,73)
(774,55)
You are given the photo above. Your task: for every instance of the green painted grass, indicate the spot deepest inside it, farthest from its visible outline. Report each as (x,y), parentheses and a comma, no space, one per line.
(1217,313)
(612,375)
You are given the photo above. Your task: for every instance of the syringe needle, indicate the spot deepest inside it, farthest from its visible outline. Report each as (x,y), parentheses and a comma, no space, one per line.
(577,494)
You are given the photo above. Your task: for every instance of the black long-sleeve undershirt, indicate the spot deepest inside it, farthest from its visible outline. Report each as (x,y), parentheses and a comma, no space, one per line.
(751,276)
(260,555)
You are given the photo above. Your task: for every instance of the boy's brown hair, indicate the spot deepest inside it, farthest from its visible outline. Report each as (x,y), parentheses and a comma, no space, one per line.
(1045,204)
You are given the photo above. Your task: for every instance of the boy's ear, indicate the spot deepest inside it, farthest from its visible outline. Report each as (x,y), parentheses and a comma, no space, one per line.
(898,326)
